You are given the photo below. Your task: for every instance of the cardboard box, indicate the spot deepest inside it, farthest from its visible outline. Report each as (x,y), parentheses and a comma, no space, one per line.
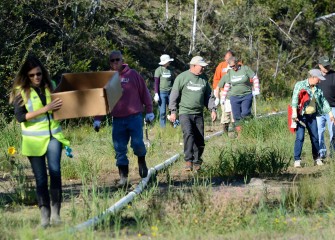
(87,94)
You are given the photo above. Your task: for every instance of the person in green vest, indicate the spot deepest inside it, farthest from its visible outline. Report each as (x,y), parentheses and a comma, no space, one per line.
(42,137)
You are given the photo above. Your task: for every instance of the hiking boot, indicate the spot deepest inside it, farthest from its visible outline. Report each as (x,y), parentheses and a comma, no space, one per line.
(188,166)
(225,128)
(297,163)
(196,167)
(238,130)
(231,127)
(142,167)
(318,162)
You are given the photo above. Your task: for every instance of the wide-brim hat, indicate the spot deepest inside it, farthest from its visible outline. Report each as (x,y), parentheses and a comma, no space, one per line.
(165,59)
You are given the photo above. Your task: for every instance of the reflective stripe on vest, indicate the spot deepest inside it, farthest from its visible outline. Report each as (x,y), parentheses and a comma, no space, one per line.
(41,133)
(30,106)
(40,119)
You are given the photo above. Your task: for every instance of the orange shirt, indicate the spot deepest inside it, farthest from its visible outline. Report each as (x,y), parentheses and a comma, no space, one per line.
(220,71)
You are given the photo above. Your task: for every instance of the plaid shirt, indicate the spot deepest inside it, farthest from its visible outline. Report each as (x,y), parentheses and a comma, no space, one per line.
(322,105)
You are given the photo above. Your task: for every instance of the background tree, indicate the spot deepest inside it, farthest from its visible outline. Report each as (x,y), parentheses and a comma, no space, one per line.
(278,39)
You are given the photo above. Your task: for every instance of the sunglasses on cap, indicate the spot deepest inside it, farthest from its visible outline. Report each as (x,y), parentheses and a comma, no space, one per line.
(35,74)
(115,60)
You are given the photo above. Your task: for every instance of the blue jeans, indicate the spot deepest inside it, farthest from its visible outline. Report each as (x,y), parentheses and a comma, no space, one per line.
(310,121)
(38,164)
(241,107)
(126,128)
(322,120)
(164,97)
(192,126)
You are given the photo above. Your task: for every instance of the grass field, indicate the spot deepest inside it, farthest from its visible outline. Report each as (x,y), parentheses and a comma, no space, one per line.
(247,188)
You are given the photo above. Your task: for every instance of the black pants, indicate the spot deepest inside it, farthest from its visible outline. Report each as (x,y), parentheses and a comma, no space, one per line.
(193,134)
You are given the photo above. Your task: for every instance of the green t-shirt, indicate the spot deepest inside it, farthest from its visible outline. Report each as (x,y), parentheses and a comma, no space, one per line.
(239,81)
(165,76)
(193,90)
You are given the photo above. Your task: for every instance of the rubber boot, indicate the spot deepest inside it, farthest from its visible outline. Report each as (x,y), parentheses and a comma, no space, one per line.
(238,130)
(56,199)
(142,167)
(123,172)
(45,216)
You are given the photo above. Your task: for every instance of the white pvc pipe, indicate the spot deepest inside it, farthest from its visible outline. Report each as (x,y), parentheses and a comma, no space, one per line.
(139,188)
(127,199)
(214,134)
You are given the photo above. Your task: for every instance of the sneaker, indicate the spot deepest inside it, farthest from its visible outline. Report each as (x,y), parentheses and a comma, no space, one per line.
(297,163)
(188,166)
(318,162)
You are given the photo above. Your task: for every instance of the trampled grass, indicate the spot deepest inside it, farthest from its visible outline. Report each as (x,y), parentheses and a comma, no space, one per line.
(220,202)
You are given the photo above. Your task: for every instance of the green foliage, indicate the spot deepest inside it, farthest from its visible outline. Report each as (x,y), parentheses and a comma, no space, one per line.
(77,36)
(249,162)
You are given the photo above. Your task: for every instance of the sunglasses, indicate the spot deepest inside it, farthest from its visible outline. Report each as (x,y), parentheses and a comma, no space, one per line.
(115,60)
(232,66)
(35,74)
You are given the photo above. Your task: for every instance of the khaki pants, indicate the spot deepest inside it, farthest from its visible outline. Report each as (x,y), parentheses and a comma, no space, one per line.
(226,117)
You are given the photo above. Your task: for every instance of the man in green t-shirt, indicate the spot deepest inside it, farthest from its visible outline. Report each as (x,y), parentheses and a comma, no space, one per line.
(190,93)
(163,84)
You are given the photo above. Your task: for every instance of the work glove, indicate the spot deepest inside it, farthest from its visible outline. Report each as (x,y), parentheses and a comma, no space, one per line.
(255,92)
(217,101)
(96,125)
(156,98)
(176,123)
(68,152)
(149,117)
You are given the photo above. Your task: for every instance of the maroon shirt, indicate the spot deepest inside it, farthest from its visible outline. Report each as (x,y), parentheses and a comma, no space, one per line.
(135,95)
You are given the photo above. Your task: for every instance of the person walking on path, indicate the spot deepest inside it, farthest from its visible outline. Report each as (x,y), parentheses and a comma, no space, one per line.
(220,71)
(163,84)
(328,89)
(313,104)
(42,137)
(127,117)
(190,93)
(240,92)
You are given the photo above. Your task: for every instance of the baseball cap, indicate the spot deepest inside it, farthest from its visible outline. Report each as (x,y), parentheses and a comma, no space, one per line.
(324,61)
(197,60)
(316,73)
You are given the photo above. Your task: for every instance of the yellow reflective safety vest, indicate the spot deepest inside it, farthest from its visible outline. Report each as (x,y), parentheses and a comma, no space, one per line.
(36,132)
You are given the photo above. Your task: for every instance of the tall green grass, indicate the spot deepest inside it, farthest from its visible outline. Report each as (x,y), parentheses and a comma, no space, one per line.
(179,205)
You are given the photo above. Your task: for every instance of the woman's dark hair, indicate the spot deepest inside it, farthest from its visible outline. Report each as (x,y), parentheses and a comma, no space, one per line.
(22,81)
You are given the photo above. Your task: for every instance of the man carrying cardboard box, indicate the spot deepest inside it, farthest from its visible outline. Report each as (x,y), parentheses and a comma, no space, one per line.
(127,117)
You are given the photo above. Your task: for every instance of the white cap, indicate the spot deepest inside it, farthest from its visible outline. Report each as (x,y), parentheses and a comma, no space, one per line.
(197,60)
(165,59)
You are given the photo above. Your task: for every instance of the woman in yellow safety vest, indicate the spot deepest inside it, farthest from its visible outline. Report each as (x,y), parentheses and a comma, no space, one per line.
(42,136)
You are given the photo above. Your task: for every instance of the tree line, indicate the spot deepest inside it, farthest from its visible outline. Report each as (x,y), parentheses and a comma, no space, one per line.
(278,39)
